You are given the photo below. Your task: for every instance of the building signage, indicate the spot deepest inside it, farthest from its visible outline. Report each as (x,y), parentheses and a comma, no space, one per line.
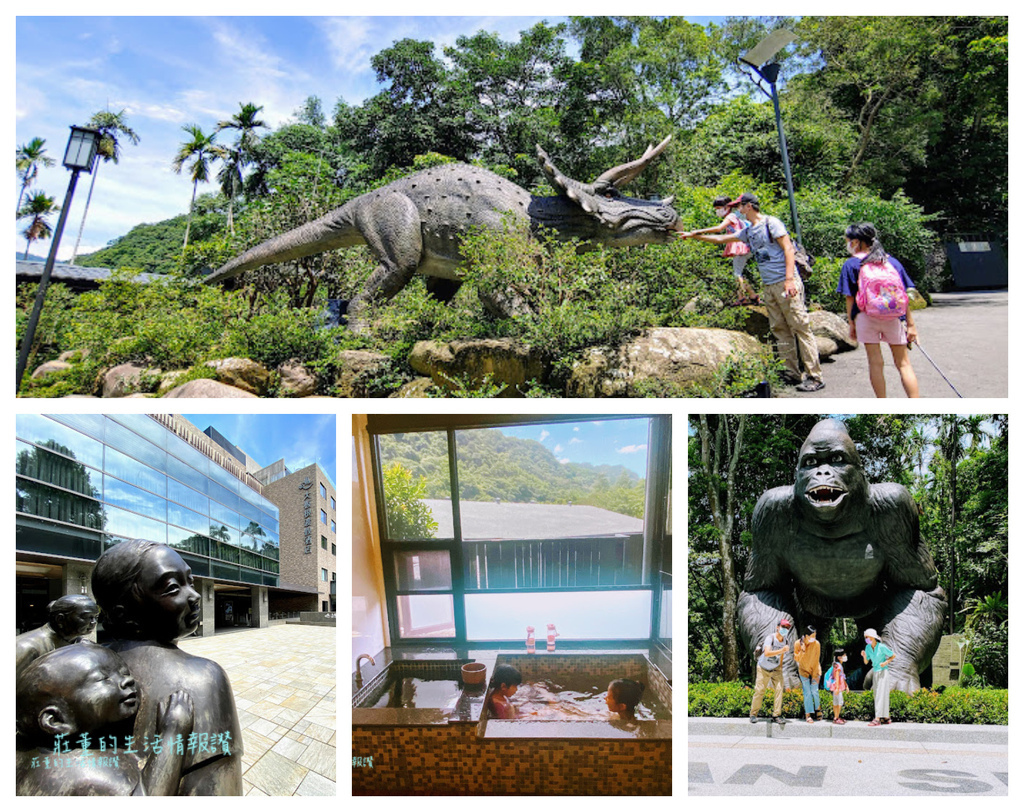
(307,513)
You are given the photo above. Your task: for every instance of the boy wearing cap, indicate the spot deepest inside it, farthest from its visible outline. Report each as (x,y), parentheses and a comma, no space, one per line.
(769,670)
(782,290)
(880,656)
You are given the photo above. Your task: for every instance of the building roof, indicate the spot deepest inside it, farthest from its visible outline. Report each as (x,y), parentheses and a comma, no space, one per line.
(519,520)
(78,277)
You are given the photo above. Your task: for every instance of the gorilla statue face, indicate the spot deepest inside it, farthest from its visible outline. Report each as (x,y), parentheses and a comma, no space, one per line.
(831,489)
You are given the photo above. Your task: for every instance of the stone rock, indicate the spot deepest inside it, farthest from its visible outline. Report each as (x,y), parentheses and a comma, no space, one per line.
(670,355)
(169,381)
(417,388)
(756,322)
(826,347)
(242,373)
(832,327)
(49,367)
(296,380)
(206,388)
(469,362)
(356,369)
(124,379)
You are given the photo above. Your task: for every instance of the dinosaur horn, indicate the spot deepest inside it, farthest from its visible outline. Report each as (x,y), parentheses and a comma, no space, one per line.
(581,193)
(621,175)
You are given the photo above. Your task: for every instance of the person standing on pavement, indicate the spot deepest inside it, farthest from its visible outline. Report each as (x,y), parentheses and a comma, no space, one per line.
(807,653)
(880,656)
(898,331)
(782,289)
(769,670)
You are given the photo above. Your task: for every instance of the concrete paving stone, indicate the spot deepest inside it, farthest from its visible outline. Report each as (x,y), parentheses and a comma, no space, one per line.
(276,775)
(334,740)
(265,728)
(245,718)
(298,704)
(287,716)
(320,758)
(256,792)
(300,726)
(314,784)
(254,744)
(319,732)
(241,703)
(290,748)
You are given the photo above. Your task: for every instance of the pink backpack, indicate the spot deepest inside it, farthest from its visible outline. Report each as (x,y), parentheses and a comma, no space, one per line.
(880,291)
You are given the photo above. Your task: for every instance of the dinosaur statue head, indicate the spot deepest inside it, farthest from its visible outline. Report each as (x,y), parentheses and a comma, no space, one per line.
(620,220)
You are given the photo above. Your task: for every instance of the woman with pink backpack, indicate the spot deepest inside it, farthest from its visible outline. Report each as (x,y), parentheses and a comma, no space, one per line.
(877,306)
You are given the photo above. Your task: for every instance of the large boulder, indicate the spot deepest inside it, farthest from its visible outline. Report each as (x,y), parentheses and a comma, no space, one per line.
(50,367)
(242,373)
(474,362)
(678,356)
(416,388)
(296,380)
(358,371)
(126,379)
(207,388)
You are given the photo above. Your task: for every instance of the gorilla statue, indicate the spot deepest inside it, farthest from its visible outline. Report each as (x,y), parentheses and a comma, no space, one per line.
(832,546)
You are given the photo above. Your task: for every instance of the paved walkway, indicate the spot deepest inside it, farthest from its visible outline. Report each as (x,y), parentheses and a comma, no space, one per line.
(733,757)
(284,679)
(965,333)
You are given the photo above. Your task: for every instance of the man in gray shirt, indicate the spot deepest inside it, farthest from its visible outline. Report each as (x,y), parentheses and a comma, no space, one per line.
(783,290)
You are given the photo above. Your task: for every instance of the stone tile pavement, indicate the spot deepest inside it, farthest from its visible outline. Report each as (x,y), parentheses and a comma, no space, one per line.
(284,680)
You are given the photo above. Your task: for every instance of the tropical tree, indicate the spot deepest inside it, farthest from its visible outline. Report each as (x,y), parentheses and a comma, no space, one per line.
(198,153)
(38,206)
(28,158)
(110,126)
(236,158)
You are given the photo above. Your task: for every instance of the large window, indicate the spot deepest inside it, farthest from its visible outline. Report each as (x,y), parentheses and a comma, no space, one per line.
(490,529)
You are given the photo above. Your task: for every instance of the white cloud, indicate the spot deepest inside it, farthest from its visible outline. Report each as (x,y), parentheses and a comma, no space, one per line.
(544,434)
(632,449)
(558,449)
(565,461)
(575,440)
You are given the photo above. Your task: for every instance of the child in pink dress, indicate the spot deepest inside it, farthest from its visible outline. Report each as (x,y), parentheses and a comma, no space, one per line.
(738,252)
(835,681)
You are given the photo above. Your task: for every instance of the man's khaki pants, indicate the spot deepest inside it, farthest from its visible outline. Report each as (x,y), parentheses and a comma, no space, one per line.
(766,680)
(789,323)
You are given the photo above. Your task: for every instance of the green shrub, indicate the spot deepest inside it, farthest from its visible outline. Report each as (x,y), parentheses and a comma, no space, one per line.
(965,706)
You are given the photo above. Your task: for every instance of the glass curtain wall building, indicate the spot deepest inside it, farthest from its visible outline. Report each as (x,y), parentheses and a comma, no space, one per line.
(86,482)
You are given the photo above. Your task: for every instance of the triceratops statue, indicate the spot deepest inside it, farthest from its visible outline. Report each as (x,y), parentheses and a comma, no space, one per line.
(415,224)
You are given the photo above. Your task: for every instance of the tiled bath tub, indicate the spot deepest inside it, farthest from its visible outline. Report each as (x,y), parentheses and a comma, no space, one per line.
(461,751)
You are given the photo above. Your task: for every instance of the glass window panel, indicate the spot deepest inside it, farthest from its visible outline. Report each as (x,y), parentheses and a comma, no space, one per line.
(618,615)
(558,480)
(224,496)
(57,470)
(250,576)
(129,470)
(223,477)
(223,515)
(45,432)
(135,499)
(133,526)
(221,532)
(126,440)
(188,497)
(422,570)
(417,485)
(426,616)
(145,426)
(189,455)
(59,505)
(189,519)
(224,552)
(187,474)
(92,424)
(227,571)
(188,540)
(665,630)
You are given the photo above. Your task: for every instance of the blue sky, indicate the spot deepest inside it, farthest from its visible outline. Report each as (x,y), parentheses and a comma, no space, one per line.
(166,72)
(301,439)
(605,442)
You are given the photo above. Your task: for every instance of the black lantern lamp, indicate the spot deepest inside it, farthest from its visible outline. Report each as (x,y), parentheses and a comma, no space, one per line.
(758,58)
(82,148)
(78,157)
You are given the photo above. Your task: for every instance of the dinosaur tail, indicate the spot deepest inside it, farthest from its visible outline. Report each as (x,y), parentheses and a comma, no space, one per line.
(333,230)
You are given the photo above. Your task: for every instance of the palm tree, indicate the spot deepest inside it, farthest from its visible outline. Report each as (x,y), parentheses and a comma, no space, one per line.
(199,152)
(110,126)
(29,157)
(245,122)
(38,206)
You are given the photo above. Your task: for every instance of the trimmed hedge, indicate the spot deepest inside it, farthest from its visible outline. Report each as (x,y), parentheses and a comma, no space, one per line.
(963,706)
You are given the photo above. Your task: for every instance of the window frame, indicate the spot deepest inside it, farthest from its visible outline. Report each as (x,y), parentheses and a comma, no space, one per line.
(658,477)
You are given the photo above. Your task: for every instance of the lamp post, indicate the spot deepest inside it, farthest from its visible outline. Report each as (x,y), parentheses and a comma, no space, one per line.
(758,58)
(79,156)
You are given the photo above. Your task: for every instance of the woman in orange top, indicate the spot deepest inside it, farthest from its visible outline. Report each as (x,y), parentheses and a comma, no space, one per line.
(807,653)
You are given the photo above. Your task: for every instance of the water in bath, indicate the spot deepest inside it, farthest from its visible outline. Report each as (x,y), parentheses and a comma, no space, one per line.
(580,700)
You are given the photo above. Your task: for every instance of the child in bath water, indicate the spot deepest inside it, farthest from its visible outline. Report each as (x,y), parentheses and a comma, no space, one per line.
(623,697)
(505,681)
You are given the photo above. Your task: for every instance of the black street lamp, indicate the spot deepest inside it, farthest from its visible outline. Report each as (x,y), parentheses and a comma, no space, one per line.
(79,156)
(758,58)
